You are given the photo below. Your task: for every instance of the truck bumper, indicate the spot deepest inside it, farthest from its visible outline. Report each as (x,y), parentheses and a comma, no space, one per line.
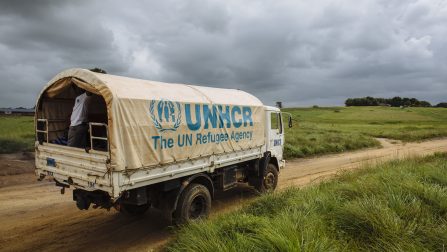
(282,164)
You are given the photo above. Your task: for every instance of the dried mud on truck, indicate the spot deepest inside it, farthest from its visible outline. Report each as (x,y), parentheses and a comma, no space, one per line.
(133,144)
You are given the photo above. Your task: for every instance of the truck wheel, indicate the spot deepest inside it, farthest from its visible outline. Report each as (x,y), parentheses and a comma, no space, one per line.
(133,210)
(269,181)
(194,203)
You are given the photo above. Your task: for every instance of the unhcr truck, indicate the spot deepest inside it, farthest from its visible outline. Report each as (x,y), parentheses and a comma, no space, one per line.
(152,144)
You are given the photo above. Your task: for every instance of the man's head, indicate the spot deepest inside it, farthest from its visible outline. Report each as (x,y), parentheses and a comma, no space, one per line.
(77,90)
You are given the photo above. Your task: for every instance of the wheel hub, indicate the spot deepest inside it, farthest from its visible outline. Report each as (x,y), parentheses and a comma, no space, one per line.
(197,208)
(269,181)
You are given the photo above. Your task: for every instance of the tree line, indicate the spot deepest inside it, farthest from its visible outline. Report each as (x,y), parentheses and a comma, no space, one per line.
(393,102)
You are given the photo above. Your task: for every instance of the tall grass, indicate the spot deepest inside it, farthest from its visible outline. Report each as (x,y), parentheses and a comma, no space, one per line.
(396,206)
(16,133)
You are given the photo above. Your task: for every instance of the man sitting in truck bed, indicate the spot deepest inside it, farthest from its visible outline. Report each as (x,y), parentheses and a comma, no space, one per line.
(77,134)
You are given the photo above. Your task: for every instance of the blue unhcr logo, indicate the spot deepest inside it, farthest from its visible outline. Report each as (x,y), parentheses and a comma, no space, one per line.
(166,115)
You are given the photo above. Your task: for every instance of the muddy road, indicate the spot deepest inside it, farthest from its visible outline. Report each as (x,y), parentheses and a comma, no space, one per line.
(35,216)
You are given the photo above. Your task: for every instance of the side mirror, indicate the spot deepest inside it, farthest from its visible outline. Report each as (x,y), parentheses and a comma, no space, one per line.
(290,122)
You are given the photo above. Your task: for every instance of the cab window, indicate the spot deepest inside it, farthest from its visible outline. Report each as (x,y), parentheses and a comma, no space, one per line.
(275,122)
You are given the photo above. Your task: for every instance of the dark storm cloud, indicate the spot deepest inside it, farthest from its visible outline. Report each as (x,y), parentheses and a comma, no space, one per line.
(41,38)
(299,52)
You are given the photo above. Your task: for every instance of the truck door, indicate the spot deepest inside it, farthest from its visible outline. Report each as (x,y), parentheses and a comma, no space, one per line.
(276,135)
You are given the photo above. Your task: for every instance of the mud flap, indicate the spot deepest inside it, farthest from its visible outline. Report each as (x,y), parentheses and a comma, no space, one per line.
(260,166)
(168,204)
(263,163)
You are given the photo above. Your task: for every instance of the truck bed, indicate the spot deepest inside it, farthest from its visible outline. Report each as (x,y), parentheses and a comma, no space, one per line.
(92,171)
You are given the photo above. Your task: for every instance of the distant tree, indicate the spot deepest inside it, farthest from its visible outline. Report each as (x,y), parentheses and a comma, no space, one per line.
(370,101)
(424,104)
(382,101)
(98,70)
(394,102)
(442,105)
(349,102)
(406,102)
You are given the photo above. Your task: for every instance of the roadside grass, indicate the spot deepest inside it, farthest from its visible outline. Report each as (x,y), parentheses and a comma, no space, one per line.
(395,206)
(337,129)
(306,140)
(16,133)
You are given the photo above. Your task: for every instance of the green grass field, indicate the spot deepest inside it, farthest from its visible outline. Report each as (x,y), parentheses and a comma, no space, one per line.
(16,133)
(396,206)
(338,129)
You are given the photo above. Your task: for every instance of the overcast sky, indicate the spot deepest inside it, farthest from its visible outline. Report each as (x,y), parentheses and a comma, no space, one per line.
(299,52)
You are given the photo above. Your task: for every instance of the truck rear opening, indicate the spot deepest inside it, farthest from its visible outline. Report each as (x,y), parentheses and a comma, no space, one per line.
(53,118)
(85,168)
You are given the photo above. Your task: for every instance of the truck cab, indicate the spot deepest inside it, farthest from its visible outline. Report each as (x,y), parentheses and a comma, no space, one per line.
(275,134)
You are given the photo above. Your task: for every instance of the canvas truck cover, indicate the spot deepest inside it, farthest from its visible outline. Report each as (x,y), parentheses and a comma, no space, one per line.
(153,123)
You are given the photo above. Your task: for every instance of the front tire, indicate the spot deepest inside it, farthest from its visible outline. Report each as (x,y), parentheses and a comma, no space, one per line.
(269,180)
(194,203)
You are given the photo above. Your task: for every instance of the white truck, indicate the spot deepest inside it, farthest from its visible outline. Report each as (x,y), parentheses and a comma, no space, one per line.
(152,144)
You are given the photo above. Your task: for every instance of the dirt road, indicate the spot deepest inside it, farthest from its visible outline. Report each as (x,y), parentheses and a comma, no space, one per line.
(35,216)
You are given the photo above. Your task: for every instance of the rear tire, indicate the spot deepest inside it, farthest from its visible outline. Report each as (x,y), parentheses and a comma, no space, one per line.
(194,203)
(133,210)
(269,180)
